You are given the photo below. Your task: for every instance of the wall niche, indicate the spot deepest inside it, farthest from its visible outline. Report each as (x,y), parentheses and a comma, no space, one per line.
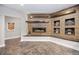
(57,23)
(70,31)
(70,21)
(56,30)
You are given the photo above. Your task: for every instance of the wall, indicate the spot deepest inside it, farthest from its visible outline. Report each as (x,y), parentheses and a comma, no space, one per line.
(1,31)
(21,25)
(16,32)
(24,25)
(9,11)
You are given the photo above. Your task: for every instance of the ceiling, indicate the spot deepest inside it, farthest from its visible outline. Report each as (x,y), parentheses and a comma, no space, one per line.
(39,8)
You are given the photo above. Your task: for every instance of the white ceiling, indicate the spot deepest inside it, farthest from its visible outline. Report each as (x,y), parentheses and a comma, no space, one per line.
(39,8)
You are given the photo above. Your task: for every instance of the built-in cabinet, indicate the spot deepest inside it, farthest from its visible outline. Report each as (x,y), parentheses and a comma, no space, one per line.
(57,27)
(69,30)
(66,27)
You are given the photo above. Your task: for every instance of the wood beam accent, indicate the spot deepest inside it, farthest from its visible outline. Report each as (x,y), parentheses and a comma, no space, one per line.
(37,21)
(62,13)
(66,11)
(38,16)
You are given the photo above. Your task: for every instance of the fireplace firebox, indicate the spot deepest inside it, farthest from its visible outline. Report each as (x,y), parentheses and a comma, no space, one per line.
(39,30)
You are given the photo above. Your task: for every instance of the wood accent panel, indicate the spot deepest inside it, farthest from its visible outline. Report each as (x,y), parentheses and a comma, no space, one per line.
(37,21)
(62,15)
(62,27)
(66,11)
(39,16)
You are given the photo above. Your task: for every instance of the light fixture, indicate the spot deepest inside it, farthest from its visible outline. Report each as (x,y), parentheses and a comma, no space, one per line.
(22,4)
(68,11)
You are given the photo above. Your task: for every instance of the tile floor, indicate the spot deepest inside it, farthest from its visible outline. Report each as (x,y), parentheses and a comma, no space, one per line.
(15,47)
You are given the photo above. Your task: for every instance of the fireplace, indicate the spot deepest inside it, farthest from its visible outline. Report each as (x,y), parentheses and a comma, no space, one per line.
(39,25)
(39,30)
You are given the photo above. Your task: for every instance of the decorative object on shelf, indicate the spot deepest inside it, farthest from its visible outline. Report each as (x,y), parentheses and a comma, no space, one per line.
(56,30)
(69,31)
(70,21)
(57,23)
(11,26)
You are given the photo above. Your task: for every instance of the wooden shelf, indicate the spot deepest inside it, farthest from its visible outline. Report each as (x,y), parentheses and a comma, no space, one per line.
(56,26)
(70,26)
(37,21)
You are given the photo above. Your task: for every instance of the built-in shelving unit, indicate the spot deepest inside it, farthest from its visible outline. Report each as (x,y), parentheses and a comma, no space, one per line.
(57,27)
(70,31)
(70,26)
(70,22)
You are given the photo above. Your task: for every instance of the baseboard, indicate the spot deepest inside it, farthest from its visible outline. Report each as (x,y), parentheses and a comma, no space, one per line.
(12,37)
(35,38)
(3,45)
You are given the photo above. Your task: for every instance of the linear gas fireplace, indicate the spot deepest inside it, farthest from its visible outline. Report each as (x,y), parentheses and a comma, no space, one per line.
(39,30)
